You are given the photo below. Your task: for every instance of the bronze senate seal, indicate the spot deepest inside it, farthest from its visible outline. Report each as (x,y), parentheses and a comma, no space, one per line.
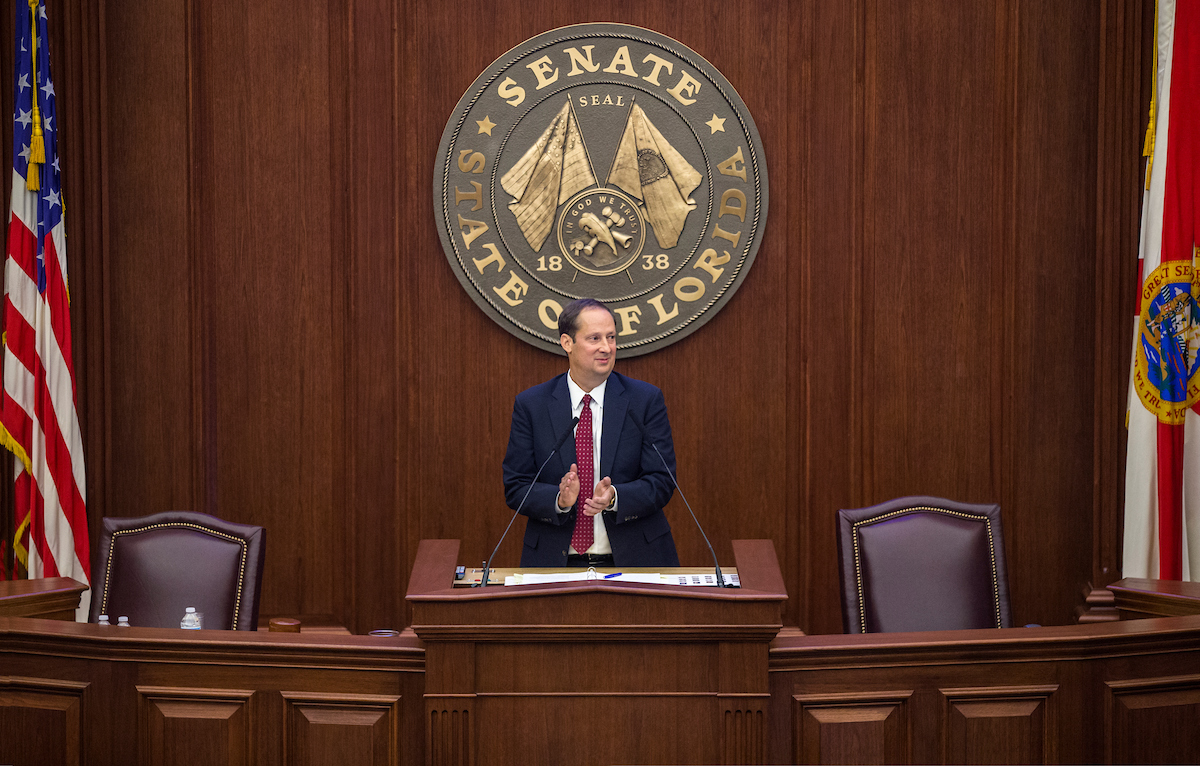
(607,161)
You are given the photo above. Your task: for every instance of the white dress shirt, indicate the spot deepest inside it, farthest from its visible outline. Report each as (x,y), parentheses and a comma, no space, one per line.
(600,544)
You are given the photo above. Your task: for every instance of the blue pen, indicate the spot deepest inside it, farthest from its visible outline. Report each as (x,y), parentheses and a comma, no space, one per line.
(610,576)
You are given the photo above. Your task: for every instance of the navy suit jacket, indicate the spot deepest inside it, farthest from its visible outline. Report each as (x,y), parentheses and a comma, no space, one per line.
(637,529)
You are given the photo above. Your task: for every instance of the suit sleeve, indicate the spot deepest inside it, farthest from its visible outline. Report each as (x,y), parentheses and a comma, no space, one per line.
(646,494)
(521,462)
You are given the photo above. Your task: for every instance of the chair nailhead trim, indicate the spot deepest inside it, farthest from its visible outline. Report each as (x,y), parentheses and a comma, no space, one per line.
(237,604)
(862,609)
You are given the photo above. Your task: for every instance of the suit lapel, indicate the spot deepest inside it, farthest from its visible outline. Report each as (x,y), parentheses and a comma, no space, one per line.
(616,402)
(560,419)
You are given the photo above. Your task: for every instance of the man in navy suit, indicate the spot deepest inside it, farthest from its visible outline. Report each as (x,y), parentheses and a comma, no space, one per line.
(606,499)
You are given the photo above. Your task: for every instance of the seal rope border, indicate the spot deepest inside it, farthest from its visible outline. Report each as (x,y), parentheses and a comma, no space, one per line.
(462,117)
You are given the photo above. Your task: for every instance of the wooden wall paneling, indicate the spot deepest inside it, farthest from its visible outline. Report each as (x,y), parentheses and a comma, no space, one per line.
(142,346)
(744,729)
(645,727)
(450,712)
(123,714)
(1002,259)
(60,708)
(343,728)
(1122,103)
(381,223)
(941,148)
(183,726)
(851,727)
(898,706)
(213,698)
(1055,271)
(831,303)
(760,473)
(461,366)
(450,736)
(1152,720)
(303,710)
(1073,694)
(999,725)
(796,223)
(266,125)
(929,112)
(742,704)
(41,721)
(410,158)
(640,704)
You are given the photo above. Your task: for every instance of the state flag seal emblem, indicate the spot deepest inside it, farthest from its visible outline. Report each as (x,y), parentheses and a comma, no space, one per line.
(604,161)
(1168,347)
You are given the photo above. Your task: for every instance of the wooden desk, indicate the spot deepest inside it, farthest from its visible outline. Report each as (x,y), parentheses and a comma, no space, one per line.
(596,671)
(496,575)
(1115,692)
(1137,599)
(1123,692)
(75,693)
(54,598)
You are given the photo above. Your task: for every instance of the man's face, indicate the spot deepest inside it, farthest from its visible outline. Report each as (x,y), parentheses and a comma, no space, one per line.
(593,350)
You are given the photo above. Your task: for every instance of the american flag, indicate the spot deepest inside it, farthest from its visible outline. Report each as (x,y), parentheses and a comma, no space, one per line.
(38,420)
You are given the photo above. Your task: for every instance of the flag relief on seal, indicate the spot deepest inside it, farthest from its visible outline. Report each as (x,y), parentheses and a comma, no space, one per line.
(605,161)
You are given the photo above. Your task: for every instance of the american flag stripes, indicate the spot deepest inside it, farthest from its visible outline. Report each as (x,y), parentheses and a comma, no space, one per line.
(38,419)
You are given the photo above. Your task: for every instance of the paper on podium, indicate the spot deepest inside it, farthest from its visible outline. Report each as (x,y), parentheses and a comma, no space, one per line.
(708,579)
(654,578)
(538,578)
(534,578)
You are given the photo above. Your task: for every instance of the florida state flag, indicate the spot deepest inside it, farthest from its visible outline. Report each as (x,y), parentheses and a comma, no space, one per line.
(1162,476)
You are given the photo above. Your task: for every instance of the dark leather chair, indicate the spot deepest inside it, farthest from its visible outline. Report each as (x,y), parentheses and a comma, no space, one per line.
(152,568)
(922,563)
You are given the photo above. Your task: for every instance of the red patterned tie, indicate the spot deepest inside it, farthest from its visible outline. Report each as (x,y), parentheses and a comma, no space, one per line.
(581,538)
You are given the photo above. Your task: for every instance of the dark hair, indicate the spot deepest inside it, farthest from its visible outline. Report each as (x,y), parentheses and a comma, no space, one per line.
(568,320)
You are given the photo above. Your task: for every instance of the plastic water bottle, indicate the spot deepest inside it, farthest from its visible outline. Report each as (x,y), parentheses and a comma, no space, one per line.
(191,620)
(103,620)
(122,622)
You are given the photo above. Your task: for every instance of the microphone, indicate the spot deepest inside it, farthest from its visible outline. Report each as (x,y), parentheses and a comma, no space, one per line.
(487,565)
(720,577)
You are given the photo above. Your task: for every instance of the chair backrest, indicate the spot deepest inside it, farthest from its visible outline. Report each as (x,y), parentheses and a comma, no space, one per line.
(922,563)
(151,568)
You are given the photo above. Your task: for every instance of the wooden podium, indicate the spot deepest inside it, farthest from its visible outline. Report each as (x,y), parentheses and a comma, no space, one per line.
(595,672)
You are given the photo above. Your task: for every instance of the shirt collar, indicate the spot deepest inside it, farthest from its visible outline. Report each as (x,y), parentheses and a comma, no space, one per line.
(577,393)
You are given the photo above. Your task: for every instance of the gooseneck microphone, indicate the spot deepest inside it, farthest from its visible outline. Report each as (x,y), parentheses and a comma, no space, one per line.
(720,577)
(487,565)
